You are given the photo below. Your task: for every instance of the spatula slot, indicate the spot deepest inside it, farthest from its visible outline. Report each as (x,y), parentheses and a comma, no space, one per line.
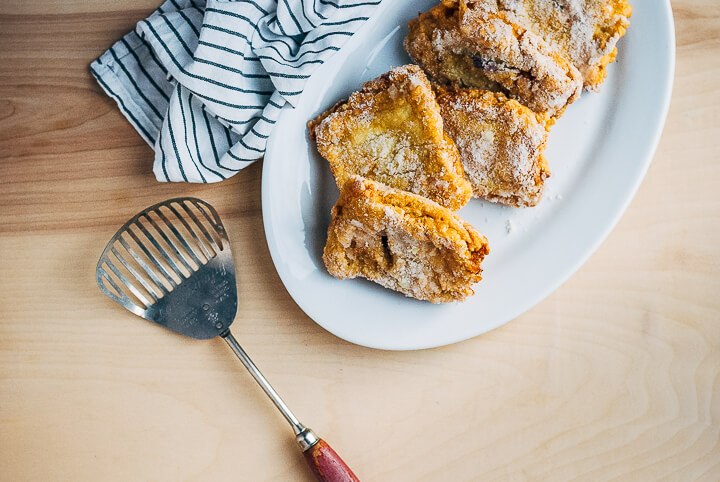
(158,249)
(190,232)
(134,278)
(109,286)
(124,282)
(154,265)
(182,244)
(144,266)
(170,243)
(211,228)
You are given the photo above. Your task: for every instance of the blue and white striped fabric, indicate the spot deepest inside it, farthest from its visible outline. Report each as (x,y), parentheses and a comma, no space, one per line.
(204,82)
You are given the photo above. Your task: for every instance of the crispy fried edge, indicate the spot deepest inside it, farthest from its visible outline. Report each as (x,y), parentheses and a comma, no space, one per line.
(421,219)
(447,15)
(595,75)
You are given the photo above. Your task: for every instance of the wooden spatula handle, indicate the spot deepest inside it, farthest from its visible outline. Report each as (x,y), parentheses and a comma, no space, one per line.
(327,465)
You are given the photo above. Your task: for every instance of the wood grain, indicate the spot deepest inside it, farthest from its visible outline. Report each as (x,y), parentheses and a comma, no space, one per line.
(614,376)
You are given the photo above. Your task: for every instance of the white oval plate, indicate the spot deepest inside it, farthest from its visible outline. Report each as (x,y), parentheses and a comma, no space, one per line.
(598,153)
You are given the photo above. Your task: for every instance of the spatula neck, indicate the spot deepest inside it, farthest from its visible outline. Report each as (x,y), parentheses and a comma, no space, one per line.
(262,381)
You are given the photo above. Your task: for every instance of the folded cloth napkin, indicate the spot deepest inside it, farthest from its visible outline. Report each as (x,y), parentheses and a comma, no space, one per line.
(204,82)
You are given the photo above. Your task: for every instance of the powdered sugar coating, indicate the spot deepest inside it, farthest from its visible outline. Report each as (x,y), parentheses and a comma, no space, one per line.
(583,31)
(474,44)
(392,131)
(501,145)
(403,242)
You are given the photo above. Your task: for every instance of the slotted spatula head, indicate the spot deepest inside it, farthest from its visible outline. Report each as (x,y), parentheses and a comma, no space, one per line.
(172,265)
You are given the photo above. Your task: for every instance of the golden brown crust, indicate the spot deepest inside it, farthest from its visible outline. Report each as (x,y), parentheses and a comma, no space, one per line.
(583,31)
(501,144)
(314,123)
(392,131)
(404,242)
(467,43)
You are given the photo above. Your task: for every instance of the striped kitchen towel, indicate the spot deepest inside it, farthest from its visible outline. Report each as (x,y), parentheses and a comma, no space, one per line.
(204,82)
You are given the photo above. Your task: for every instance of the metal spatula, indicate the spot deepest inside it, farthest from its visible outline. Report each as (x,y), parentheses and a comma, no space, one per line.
(172,265)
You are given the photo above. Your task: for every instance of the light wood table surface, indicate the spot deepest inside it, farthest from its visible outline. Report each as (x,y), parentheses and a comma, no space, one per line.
(614,376)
